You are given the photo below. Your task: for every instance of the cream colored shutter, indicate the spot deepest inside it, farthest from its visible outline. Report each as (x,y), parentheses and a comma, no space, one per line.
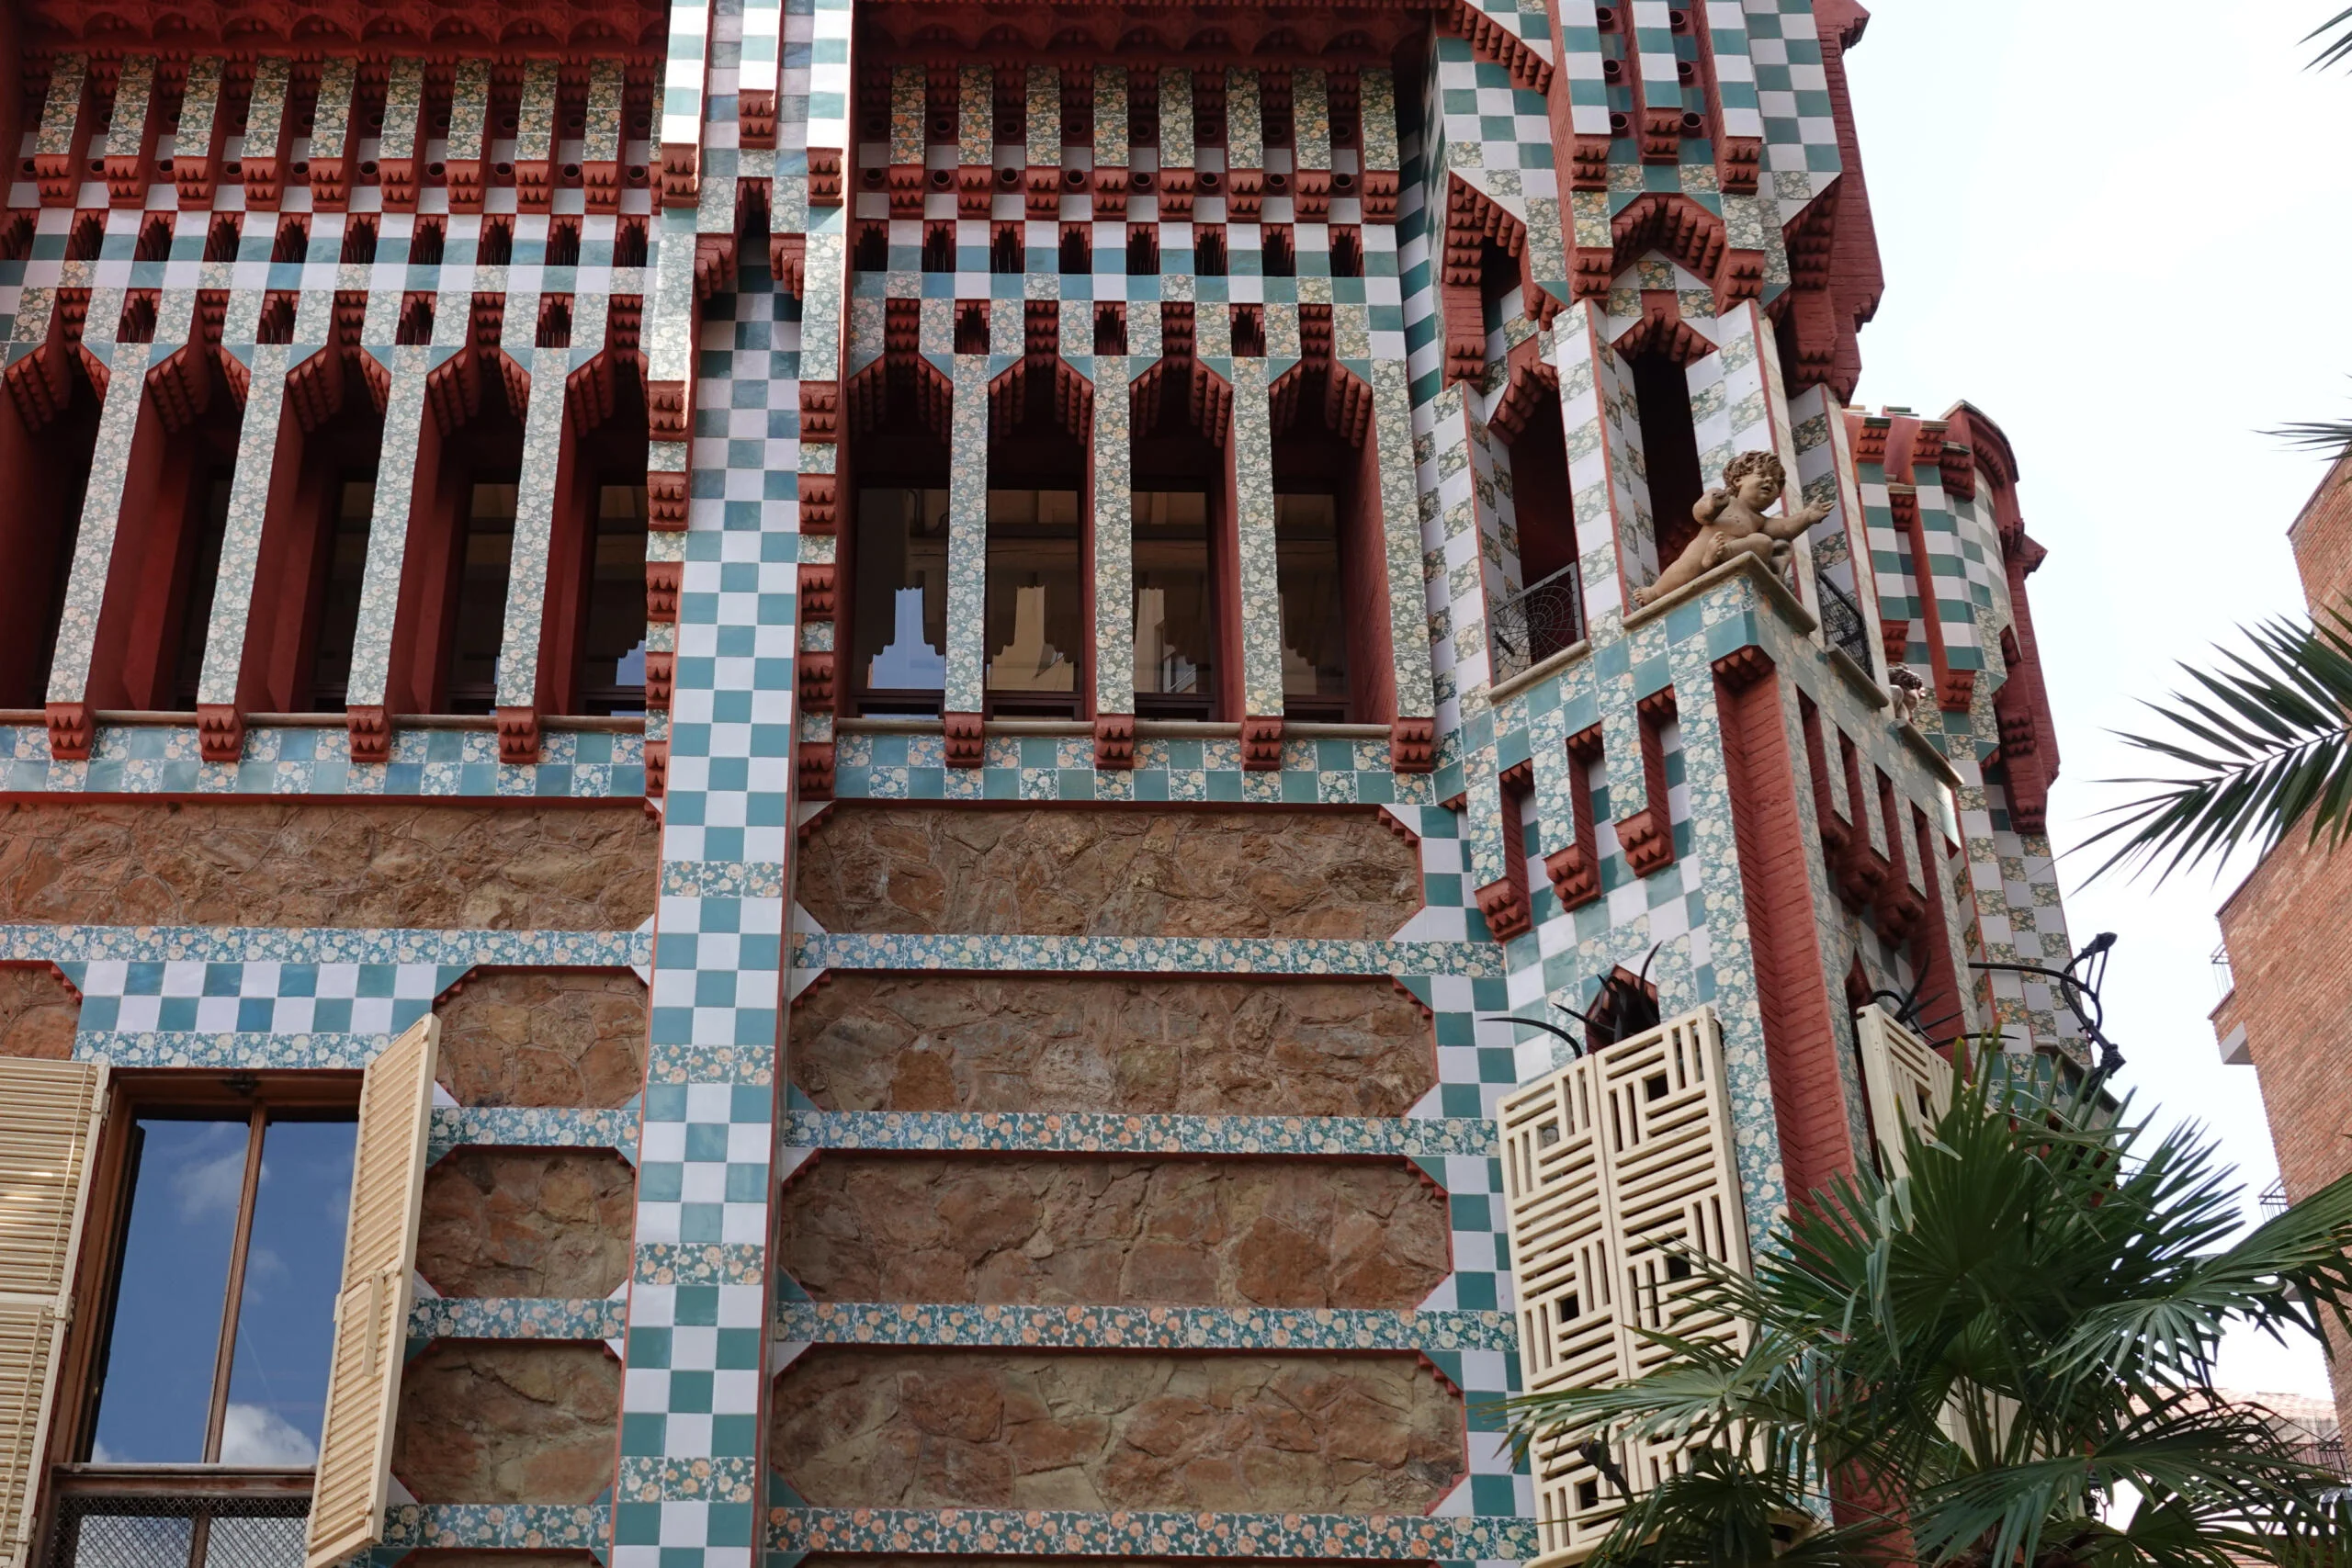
(1606,1162)
(1907,1083)
(50,1113)
(371,1312)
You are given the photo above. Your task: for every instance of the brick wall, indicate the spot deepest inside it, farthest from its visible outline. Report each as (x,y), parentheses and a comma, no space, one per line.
(2322,539)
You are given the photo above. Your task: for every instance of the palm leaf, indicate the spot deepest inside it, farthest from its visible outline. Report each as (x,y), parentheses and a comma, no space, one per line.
(2325,435)
(2337,30)
(2261,746)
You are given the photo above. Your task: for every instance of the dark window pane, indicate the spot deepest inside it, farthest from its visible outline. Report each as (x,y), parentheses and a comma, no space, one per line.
(1033,576)
(166,1332)
(902,589)
(612,677)
(1175,628)
(481,598)
(277,1377)
(346,573)
(196,614)
(1307,579)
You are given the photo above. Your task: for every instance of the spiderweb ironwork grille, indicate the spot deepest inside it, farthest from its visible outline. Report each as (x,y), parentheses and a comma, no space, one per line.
(1842,623)
(1536,623)
(167,1531)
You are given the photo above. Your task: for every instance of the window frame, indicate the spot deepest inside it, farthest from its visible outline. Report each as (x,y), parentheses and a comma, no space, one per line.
(310,1094)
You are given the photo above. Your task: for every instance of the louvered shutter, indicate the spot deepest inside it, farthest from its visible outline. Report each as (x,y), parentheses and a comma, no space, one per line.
(1609,1165)
(371,1311)
(50,1113)
(1907,1083)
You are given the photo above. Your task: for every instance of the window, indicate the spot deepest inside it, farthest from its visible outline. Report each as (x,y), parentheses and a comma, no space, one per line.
(1175,605)
(204,576)
(1035,579)
(487,554)
(220,1318)
(612,675)
(902,644)
(1306,580)
(1670,451)
(347,571)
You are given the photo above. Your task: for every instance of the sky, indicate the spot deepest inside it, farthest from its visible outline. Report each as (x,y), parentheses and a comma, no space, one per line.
(2122,243)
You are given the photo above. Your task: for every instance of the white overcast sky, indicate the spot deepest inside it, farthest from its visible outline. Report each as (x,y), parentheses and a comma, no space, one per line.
(2124,236)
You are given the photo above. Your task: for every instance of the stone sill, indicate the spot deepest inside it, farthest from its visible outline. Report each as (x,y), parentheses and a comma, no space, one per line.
(147,718)
(1542,670)
(1079,729)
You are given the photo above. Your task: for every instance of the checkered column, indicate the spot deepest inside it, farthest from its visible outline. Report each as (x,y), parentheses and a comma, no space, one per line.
(694,1380)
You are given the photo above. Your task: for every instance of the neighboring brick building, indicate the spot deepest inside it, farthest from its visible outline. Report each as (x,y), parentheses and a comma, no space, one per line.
(970,657)
(2289,1012)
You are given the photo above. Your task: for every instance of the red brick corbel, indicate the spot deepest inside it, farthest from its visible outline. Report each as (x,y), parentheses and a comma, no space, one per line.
(518,736)
(814,762)
(815,675)
(967,744)
(1574,869)
(1114,740)
(1261,743)
(1412,745)
(70,732)
(219,732)
(664,579)
(817,590)
(661,677)
(1648,835)
(370,731)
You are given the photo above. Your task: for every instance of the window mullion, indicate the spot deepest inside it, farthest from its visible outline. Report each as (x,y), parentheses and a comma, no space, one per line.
(235,1288)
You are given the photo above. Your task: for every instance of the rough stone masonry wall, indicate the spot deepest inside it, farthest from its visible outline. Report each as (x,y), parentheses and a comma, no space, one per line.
(484,1421)
(517,1222)
(1364,1434)
(265,863)
(557,1037)
(37,1013)
(1108,873)
(1172,1232)
(1237,1045)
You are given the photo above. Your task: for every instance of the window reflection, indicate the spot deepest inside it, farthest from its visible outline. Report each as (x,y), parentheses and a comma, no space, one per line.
(612,674)
(901,584)
(1307,573)
(480,628)
(347,571)
(1034,620)
(1174,614)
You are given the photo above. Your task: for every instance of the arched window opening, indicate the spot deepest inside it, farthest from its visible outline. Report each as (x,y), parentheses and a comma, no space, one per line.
(1499,286)
(1670,451)
(592,645)
(46,442)
(174,503)
(312,560)
(1546,613)
(1183,546)
(1039,609)
(893,612)
(1329,561)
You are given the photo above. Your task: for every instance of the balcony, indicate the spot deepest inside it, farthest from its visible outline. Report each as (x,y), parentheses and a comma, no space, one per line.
(177,1516)
(1842,623)
(1536,623)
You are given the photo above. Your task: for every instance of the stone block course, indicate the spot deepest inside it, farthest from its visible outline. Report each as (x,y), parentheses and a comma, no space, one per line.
(1205,1045)
(526,1222)
(267,863)
(1108,873)
(573,1039)
(37,1013)
(495,1422)
(1332,1434)
(1100,1232)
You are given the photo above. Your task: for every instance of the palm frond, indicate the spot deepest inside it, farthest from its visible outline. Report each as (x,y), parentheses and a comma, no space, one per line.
(2263,746)
(2337,32)
(2321,435)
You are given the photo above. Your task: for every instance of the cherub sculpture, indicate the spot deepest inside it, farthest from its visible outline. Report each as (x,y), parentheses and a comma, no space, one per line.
(1905,689)
(1732,519)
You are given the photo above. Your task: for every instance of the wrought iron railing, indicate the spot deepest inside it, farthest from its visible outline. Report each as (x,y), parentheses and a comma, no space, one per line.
(1536,623)
(1842,623)
(2274,1199)
(2326,1453)
(173,1517)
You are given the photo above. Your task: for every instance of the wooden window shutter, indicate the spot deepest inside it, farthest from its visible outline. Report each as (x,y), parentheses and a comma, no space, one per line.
(1907,1083)
(1610,1165)
(371,1311)
(50,1113)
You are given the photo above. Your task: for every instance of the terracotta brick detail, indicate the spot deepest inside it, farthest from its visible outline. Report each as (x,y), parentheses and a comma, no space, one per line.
(1210,1046)
(1114,740)
(553,1037)
(1337,1434)
(1090,1232)
(968,742)
(1412,745)
(1801,1038)
(527,1222)
(264,863)
(1261,743)
(488,1421)
(1109,872)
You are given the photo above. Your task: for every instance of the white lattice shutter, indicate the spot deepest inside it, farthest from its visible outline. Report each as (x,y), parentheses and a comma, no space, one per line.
(1907,1083)
(371,1311)
(1609,1165)
(50,1113)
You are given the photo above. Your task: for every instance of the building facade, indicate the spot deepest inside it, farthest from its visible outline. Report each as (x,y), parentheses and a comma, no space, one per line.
(2289,992)
(877,715)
